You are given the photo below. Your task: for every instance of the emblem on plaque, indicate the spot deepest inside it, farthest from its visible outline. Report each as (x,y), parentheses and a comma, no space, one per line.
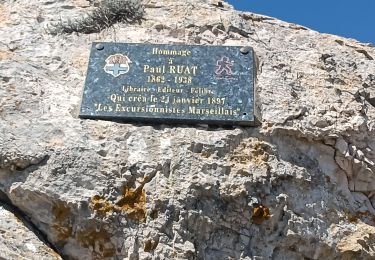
(117,64)
(168,84)
(224,67)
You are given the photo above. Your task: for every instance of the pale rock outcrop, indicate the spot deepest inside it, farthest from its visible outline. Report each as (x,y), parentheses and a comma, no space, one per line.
(298,185)
(18,241)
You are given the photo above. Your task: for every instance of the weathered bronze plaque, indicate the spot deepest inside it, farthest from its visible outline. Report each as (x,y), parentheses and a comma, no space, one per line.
(170,83)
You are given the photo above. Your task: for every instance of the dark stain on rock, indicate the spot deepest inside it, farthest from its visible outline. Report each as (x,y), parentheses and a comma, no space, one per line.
(61,225)
(98,239)
(260,214)
(150,245)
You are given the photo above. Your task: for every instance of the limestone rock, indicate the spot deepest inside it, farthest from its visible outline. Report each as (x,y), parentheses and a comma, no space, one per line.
(298,185)
(17,240)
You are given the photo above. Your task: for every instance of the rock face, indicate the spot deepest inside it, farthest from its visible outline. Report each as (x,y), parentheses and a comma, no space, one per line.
(17,241)
(299,185)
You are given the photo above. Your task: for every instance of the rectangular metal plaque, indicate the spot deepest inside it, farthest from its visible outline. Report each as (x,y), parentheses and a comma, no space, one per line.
(170,83)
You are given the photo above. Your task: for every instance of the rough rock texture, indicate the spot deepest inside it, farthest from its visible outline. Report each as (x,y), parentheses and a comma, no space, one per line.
(299,185)
(17,241)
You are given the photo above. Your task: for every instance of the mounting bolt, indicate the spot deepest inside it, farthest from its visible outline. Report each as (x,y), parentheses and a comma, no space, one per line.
(99,46)
(245,50)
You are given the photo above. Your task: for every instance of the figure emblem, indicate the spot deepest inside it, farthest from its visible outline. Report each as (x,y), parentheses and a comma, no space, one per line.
(117,64)
(224,67)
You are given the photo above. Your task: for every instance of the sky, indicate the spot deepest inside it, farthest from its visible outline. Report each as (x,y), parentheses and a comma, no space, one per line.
(348,18)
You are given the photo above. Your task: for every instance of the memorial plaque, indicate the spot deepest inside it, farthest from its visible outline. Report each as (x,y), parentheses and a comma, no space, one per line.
(170,83)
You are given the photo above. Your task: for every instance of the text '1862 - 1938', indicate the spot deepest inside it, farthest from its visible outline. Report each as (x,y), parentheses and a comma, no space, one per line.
(170,83)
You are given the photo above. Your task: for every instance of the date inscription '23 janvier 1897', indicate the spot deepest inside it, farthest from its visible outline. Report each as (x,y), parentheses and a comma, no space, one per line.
(170,83)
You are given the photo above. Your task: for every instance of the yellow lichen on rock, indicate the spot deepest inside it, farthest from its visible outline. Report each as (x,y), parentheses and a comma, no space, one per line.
(251,151)
(260,214)
(259,155)
(132,202)
(241,154)
(87,237)
(100,205)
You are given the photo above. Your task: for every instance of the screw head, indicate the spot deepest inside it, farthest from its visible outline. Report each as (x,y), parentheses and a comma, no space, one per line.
(245,50)
(99,46)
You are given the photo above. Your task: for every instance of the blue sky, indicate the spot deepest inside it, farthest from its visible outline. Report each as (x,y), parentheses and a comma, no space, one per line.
(348,18)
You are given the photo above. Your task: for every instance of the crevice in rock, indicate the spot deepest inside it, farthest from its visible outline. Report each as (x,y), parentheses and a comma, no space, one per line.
(297,27)
(240,31)
(297,115)
(255,18)
(37,165)
(361,96)
(367,96)
(368,56)
(22,164)
(356,48)
(8,205)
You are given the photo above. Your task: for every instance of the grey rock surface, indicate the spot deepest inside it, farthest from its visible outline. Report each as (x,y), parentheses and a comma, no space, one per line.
(299,185)
(18,241)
